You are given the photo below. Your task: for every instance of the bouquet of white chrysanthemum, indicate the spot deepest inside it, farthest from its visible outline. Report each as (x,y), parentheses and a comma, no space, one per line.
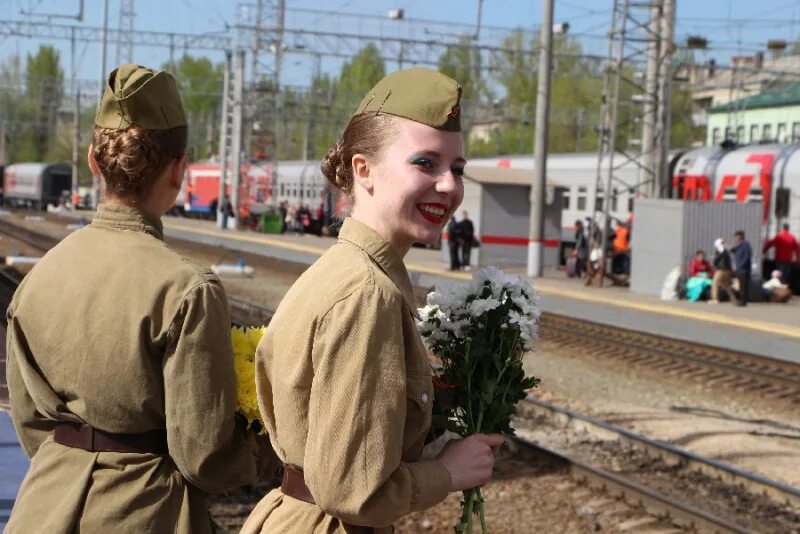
(480,331)
(245,341)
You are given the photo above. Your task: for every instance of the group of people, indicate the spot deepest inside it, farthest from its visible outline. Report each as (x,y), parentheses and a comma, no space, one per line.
(300,219)
(587,256)
(127,407)
(460,240)
(730,272)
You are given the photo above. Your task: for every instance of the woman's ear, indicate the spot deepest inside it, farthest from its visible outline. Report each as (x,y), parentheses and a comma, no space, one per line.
(177,171)
(92,162)
(361,172)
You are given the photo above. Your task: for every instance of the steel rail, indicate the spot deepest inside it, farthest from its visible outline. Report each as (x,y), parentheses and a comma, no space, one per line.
(752,367)
(28,236)
(654,502)
(751,482)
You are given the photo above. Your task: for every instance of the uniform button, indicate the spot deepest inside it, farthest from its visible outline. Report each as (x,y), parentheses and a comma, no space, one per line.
(424,398)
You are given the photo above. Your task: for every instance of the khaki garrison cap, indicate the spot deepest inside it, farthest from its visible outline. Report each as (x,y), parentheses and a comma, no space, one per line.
(419,94)
(142,96)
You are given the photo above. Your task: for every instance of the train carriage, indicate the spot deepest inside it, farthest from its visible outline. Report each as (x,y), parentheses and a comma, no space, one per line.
(36,185)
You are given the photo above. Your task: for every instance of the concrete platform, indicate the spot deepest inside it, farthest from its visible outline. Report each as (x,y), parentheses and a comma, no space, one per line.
(771,330)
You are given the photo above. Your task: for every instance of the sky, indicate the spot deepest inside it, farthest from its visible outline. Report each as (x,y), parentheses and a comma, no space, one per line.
(733,27)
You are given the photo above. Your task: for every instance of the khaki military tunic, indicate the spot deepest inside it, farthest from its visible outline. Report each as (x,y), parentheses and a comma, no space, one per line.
(114,329)
(345,387)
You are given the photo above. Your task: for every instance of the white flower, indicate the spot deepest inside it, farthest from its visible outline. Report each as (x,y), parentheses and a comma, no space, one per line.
(494,276)
(456,326)
(430,312)
(479,307)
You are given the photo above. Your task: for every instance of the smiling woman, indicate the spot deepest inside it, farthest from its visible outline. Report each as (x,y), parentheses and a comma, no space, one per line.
(344,385)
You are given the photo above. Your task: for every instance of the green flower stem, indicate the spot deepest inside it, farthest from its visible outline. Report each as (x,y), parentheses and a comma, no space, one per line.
(469,397)
(464,525)
(482,512)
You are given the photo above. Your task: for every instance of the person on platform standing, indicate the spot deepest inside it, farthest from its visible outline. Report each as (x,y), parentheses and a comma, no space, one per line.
(620,246)
(345,386)
(454,243)
(581,249)
(119,358)
(282,211)
(742,261)
(787,251)
(722,272)
(467,236)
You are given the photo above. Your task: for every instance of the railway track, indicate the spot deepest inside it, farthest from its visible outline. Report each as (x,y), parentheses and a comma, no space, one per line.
(714,366)
(37,240)
(656,474)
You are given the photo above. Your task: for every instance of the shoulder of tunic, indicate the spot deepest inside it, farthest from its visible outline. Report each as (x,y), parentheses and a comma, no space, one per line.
(341,272)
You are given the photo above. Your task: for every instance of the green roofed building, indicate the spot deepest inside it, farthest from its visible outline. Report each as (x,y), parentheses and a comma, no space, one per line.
(769,117)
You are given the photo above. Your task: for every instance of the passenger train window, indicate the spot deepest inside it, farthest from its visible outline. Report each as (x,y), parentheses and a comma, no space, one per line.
(581,198)
(766,132)
(565,197)
(740,134)
(795,131)
(715,136)
(781,133)
(614,197)
(754,133)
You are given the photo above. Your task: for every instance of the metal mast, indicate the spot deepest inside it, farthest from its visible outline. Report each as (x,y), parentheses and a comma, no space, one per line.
(125,26)
(640,40)
(230,138)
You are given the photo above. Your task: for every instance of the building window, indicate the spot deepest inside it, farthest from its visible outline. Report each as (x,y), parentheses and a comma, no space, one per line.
(565,199)
(754,133)
(795,131)
(740,135)
(781,133)
(715,136)
(728,133)
(766,132)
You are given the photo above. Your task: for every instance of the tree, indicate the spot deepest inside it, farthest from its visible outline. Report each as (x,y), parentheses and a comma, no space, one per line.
(200,84)
(39,105)
(360,75)
(575,96)
(331,101)
(463,64)
(683,131)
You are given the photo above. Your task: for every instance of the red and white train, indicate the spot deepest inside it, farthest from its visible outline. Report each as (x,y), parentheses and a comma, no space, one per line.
(769,172)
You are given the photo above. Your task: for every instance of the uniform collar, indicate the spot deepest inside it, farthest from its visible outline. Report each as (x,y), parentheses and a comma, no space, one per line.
(362,236)
(128,218)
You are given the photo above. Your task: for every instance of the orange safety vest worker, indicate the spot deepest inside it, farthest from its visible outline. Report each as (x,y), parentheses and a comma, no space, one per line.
(621,239)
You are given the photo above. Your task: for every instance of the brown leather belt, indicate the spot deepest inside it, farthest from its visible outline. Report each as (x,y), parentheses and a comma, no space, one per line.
(294,485)
(93,440)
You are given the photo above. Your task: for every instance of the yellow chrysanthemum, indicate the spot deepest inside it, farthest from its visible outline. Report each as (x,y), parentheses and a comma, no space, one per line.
(245,341)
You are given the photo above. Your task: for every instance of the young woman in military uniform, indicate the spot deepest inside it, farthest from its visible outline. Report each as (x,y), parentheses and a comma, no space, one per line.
(344,383)
(120,367)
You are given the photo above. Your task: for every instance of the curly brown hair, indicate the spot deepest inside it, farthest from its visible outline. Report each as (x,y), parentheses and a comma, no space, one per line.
(367,134)
(132,160)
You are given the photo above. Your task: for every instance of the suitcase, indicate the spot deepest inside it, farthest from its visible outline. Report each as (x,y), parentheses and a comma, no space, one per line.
(572,266)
